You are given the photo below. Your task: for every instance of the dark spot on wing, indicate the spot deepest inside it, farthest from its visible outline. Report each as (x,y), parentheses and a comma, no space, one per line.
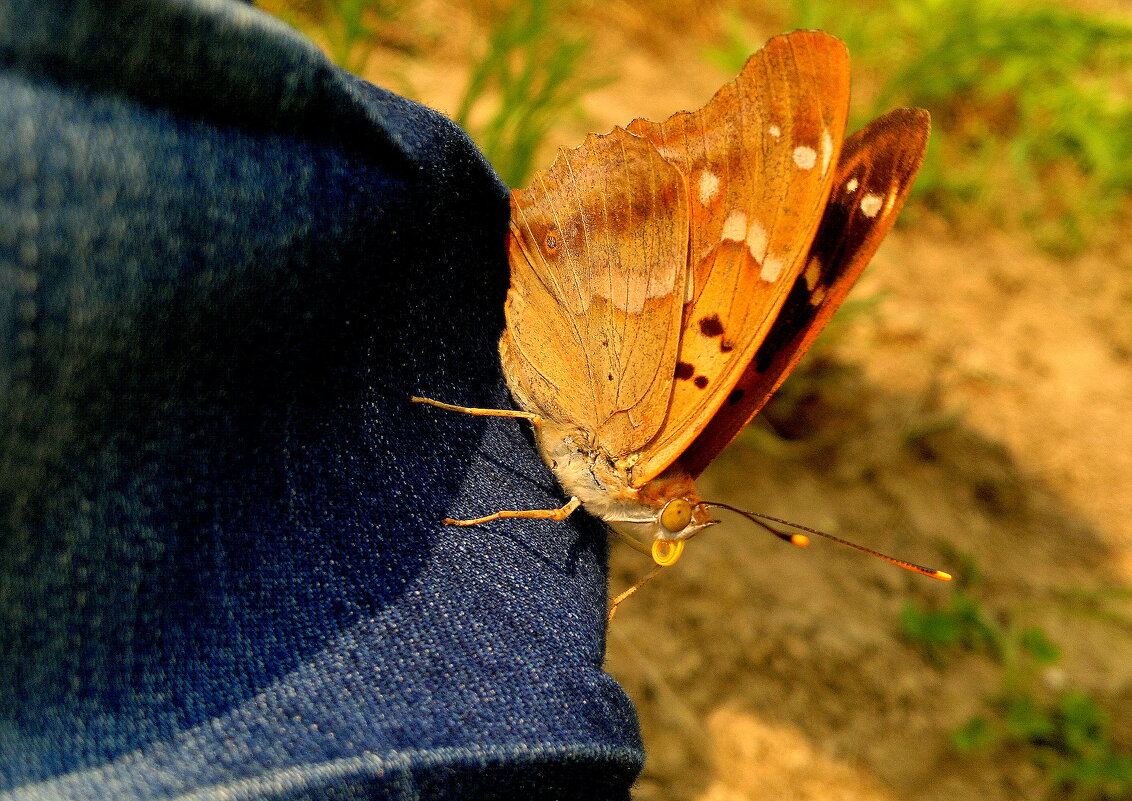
(735,396)
(711,326)
(725,346)
(834,241)
(795,315)
(684,370)
(611,376)
(701,381)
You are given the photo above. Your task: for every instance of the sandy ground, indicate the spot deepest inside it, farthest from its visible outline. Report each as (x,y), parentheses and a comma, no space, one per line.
(977,418)
(983,423)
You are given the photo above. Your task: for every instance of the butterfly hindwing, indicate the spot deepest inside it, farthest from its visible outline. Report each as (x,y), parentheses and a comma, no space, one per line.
(598,248)
(874,174)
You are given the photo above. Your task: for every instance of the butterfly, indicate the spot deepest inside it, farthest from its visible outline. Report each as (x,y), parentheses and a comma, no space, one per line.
(666,277)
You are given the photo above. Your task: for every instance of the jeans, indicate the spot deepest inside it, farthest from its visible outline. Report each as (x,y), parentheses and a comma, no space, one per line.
(226,265)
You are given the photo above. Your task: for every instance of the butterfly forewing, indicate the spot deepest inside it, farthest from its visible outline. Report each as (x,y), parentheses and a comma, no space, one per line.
(598,248)
(874,174)
(757,161)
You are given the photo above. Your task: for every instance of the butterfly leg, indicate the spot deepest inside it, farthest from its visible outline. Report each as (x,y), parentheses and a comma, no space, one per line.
(616,602)
(472,410)
(561,513)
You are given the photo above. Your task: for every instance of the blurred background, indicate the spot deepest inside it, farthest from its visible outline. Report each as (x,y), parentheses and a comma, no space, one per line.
(970,408)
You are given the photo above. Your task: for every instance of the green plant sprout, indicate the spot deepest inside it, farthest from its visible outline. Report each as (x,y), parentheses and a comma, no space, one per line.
(350,28)
(1065,732)
(530,76)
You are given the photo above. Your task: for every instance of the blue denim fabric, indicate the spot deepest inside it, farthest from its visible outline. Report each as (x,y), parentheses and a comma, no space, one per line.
(225,267)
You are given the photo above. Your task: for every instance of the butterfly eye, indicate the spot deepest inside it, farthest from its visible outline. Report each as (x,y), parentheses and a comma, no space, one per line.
(676,514)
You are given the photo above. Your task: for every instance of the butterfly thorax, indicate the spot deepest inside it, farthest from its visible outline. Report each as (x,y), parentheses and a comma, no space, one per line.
(602,482)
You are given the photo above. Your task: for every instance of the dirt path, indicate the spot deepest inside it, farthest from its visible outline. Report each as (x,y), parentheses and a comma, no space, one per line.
(790,663)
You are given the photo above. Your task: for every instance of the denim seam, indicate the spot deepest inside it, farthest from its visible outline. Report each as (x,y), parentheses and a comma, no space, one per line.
(397,766)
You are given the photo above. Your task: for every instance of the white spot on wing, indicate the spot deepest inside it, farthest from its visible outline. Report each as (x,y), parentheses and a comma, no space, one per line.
(772,268)
(851,186)
(826,150)
(735,226)
(756,240)
(813,272)
(709,186)
(774,131)
(805,157)
(871,204)
(633,300)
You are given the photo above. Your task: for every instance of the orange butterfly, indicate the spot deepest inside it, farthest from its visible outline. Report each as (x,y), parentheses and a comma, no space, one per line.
(666,277)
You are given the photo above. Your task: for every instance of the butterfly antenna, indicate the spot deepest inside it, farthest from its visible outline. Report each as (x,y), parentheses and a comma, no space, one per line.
(764,521)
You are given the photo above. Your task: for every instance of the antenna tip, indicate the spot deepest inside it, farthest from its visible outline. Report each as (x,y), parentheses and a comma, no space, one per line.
(939,574)
(801,541)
